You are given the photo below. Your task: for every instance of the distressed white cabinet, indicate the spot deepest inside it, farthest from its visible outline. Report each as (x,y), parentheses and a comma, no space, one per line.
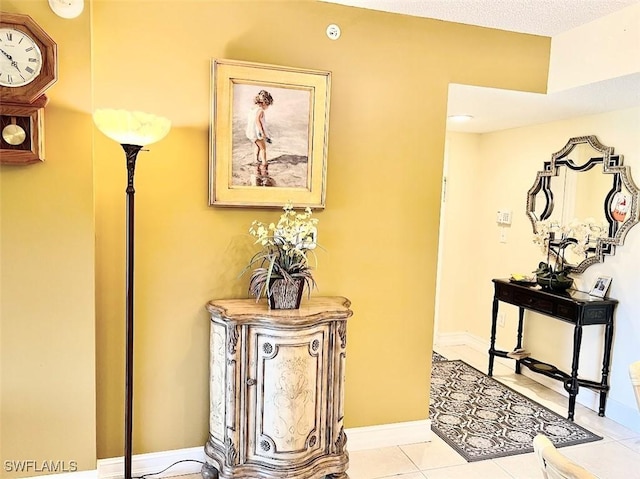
(277,390)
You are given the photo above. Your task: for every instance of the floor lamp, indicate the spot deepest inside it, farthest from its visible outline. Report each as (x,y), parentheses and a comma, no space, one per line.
(132,130)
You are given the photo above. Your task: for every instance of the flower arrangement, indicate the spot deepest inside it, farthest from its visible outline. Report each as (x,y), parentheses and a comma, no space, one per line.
(285,246)
(554,239)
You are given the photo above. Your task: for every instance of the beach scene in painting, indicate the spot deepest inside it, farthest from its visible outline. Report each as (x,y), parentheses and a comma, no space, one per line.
(286,122)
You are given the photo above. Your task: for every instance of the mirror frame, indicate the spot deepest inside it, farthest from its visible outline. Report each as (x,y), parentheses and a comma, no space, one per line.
(612,165)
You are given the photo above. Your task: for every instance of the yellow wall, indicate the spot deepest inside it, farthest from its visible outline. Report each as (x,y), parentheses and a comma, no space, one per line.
(388,108)
(47,315)
(379,230)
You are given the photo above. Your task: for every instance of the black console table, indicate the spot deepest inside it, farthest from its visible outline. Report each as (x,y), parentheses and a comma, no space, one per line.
(575,307)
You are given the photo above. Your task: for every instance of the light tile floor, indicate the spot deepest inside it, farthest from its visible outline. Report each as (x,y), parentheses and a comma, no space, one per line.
(617,456)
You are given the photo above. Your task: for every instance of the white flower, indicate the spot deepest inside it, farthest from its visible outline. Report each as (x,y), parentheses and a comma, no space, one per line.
(577,235)
(294,234)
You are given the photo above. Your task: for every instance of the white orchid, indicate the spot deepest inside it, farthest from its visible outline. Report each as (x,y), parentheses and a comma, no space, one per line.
(577,235)
(284,249)
(295,232)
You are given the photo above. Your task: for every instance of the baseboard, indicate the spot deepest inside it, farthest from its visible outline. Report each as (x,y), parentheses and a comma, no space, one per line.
(387,435)
(452,339)
(142,464)
(623,414)
(154,462)
(358,438)
(70,475)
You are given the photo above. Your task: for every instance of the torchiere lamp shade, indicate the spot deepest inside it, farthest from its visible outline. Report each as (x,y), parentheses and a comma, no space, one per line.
(131,127)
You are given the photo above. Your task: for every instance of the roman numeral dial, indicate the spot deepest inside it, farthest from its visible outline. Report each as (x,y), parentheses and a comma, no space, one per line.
(20,58)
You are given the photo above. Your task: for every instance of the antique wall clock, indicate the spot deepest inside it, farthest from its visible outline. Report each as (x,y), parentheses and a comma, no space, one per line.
(28,67)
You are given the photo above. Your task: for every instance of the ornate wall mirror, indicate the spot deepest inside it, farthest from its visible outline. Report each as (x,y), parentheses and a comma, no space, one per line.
(585,191)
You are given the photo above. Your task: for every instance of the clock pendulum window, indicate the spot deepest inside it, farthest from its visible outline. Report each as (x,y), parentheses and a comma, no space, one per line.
(28,68)
(14,134)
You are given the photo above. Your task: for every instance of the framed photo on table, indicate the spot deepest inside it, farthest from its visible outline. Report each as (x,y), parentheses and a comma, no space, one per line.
(601,286)
(268,135)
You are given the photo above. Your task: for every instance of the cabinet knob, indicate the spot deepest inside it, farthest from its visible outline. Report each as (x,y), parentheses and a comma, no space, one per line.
(251,382)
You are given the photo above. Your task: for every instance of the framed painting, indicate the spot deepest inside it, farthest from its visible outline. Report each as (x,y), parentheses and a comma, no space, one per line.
(268,135)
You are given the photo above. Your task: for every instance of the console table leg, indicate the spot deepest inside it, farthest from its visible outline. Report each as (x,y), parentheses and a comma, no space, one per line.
(606,358)
(519,343)
(573,385)
(603,403)
(492,347)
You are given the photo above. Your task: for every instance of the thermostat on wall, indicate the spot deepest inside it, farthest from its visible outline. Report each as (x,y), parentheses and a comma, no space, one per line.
(504,217)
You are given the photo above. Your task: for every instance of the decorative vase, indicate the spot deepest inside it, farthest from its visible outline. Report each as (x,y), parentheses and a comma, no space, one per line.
(285,294)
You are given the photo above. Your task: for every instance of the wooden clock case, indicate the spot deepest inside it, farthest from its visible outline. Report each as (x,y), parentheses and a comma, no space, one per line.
(24,105)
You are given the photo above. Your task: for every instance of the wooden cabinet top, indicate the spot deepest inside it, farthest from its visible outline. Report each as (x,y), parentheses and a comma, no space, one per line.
(312,310)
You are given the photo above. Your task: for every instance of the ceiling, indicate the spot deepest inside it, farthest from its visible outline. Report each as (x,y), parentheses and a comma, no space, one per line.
(538,17)
(494,109)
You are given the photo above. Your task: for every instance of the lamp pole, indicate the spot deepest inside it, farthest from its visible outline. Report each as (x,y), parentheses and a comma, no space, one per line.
(131,152)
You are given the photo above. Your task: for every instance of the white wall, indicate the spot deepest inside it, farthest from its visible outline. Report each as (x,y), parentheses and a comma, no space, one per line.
(600,50)
(494,171)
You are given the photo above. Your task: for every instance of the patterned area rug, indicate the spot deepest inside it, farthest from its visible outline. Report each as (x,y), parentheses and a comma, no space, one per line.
(437,357)
(484,419)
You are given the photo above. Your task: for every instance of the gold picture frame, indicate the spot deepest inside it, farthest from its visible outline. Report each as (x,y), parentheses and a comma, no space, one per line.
(296,123)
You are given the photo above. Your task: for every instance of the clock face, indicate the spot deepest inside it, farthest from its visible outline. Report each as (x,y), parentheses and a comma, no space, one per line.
(20,58)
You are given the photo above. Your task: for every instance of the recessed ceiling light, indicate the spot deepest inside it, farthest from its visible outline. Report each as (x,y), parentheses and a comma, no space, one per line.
(460,118)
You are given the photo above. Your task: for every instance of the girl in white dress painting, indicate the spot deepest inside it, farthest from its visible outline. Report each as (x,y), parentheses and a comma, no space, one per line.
(256,130)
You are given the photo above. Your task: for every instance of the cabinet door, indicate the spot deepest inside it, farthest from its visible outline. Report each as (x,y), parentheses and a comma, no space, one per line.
(287,394)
